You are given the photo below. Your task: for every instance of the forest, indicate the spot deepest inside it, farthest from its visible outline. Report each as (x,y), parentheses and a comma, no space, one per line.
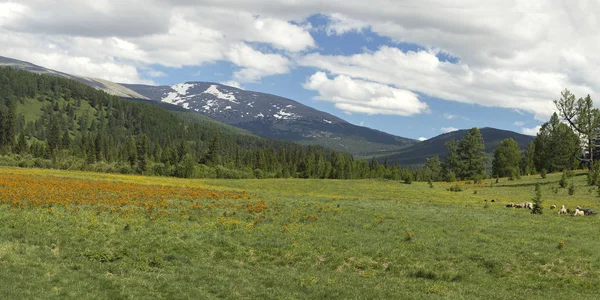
(51,122)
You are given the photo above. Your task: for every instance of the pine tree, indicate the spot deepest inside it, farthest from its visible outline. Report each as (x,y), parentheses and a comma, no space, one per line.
(53,139)
(452,164)
(471,151)
(131,151)
(527,160)
(537,201)
(143,149)
(21,146)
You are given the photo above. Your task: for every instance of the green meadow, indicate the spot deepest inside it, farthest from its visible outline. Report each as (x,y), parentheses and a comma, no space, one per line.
(297,239)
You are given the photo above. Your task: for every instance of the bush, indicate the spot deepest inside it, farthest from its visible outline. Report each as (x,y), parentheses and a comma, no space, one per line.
(455,188)
(451,177)
(543,173)
(563,181)
(572,189)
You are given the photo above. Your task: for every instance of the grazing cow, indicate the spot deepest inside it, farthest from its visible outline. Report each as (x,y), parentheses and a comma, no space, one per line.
(562,211)
(519,205)
(510,205)
(579,212)
(589,212)
(495,200)
(552,206)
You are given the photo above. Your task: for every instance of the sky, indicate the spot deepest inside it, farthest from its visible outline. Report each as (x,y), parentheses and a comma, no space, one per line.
(410,68)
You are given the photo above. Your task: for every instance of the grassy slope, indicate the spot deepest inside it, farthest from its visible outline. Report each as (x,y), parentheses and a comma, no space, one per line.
(356,248)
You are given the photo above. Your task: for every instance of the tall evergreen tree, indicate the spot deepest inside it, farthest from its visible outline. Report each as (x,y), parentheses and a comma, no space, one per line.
(527,160)
(452,165)
(471,151)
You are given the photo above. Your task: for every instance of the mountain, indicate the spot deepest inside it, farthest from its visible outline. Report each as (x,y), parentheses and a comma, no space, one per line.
(272,116)
(416,154)
(108,86)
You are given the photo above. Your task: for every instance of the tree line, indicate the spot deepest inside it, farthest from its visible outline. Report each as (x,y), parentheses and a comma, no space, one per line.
(54,122)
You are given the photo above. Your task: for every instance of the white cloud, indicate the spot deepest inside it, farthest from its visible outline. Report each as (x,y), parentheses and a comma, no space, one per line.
(448,116)
(168,33)
(512,54)
(359,96)
(256,64)
(448,129)
(422,139)
(234,84)
(531,131)
(424,72)
(340,24)
(519,124)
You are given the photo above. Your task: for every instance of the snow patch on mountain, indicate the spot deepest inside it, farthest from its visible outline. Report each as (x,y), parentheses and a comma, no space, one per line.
(214,90)
(182,88)
(283,115)
(327,121)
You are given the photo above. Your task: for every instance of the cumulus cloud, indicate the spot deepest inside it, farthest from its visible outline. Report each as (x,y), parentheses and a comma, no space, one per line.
(233,83)
(526,51)
(359,96)
(256,64)
(531,131)
(519,123)
(137,34)
(448,129)
(424,72)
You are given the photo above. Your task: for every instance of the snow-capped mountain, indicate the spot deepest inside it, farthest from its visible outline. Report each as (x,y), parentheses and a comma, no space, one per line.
(271,116)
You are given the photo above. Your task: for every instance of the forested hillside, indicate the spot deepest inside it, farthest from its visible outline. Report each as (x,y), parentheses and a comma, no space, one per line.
(55,122)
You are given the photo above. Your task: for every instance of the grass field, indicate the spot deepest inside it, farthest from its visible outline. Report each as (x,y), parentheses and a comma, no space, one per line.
(75,235)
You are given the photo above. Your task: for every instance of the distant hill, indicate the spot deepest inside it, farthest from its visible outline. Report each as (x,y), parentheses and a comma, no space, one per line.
(416,154)
(108,86)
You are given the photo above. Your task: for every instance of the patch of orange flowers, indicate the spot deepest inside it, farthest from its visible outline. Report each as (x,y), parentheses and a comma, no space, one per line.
(44,191)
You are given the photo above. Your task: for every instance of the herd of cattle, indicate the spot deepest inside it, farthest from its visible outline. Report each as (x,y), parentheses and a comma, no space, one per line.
(563,210)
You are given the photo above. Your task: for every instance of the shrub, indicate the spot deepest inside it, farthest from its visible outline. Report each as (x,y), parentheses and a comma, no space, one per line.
(408,178)
(455,188)
(543,173)
(451,177)
(572,189)
(430,183)
(563,181)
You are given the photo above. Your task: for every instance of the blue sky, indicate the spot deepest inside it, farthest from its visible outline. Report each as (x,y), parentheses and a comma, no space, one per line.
(443,116)
(410,68)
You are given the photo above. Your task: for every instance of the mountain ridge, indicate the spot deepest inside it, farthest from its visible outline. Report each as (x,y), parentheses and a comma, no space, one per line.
(272,116)
(416,154)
